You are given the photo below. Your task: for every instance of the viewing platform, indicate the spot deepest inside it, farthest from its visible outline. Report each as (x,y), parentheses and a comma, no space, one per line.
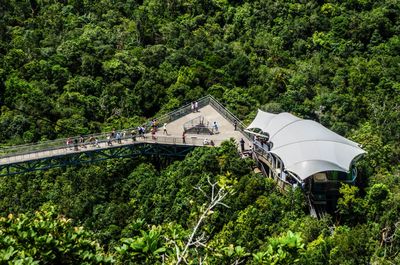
(56,153)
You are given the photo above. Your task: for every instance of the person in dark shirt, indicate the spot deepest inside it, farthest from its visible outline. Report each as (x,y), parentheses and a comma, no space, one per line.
(242,145)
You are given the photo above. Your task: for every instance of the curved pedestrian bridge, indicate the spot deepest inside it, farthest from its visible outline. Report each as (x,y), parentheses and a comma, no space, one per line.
(56,153)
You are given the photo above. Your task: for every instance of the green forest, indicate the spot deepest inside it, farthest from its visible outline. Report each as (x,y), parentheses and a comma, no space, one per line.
(71,67)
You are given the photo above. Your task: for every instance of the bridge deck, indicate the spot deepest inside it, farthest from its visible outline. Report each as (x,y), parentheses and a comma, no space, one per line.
(174,128)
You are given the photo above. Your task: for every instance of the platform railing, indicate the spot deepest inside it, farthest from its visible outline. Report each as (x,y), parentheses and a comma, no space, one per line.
(63,149)
(202,102)
(182,111)
(229,116)
(275,165)
(52,145)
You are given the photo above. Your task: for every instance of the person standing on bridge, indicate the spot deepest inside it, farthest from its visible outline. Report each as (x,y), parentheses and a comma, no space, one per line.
(235,124)
(192,106)
(215,127)
(242,145)
(196,106)
(153,134)
(96,142)
(109,140)
(76,144)
(118,136)
(69,143)
(133,133)
(82,141)
(165,129)
(92,141)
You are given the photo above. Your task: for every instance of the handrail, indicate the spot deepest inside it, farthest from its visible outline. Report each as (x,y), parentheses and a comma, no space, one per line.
(182,111)
(51,145)
(91,146)
(282,184)
(267,155)
(229,116)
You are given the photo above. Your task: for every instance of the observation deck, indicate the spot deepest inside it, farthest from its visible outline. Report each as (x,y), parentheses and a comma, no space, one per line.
(50,154)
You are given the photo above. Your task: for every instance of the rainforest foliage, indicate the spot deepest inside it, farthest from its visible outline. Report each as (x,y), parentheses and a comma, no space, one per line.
(70,67)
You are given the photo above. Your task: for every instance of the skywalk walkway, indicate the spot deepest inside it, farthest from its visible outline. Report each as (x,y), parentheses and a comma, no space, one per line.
(51,154)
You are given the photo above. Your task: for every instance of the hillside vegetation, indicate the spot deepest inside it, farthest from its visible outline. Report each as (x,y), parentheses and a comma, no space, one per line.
(71,67)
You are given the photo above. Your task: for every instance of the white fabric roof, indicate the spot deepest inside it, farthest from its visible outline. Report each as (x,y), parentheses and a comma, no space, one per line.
(306,147)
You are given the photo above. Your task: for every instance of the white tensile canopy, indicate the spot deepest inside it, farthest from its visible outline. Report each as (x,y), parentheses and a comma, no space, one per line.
(304,146)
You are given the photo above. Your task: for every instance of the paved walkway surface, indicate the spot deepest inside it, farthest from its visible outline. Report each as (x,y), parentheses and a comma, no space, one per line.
(226,129)
(175,131)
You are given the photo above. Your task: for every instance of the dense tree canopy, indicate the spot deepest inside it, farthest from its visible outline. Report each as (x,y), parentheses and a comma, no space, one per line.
(72,67)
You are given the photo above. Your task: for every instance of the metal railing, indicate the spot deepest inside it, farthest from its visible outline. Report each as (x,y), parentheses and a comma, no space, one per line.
(275,165)
(182,111)
(52,147)
(63,149)
(228,115)
(198,121)
(202,102)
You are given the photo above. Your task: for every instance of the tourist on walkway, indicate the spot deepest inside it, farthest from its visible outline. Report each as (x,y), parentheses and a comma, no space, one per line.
(142,131)
(109,140)
(192,106)
(96,142)
(184,137)
(242,145)
(215,127)
(235,124)
(118,136)
(91,140)
(165,129)
(69,143)
(133,133)
(82,141)
(196,106)
(76,144)
(255,141)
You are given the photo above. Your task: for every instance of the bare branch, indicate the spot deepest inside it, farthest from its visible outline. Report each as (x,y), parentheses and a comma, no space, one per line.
(223,204)
(209,182)
(200,189)
(237,262)
(216,199)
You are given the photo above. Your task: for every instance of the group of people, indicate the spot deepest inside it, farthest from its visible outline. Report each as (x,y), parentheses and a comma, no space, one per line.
(140,131)
(208,142)
(115,136)
(81,142)
(195,106)
(263,142)
(154,129)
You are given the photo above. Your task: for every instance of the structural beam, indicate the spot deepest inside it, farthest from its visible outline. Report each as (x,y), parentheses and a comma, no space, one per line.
(94,155)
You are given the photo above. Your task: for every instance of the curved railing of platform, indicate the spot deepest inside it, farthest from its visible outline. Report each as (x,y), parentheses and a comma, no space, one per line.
(29,151)
(63,149)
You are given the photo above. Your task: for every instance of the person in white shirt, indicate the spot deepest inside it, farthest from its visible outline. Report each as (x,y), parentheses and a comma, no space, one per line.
(165,129)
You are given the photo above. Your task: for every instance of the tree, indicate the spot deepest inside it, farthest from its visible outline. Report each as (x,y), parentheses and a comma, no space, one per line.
(350,206)
(285,249)
(44,237)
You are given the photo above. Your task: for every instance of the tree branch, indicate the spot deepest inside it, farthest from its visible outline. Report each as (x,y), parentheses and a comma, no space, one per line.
(216,199)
